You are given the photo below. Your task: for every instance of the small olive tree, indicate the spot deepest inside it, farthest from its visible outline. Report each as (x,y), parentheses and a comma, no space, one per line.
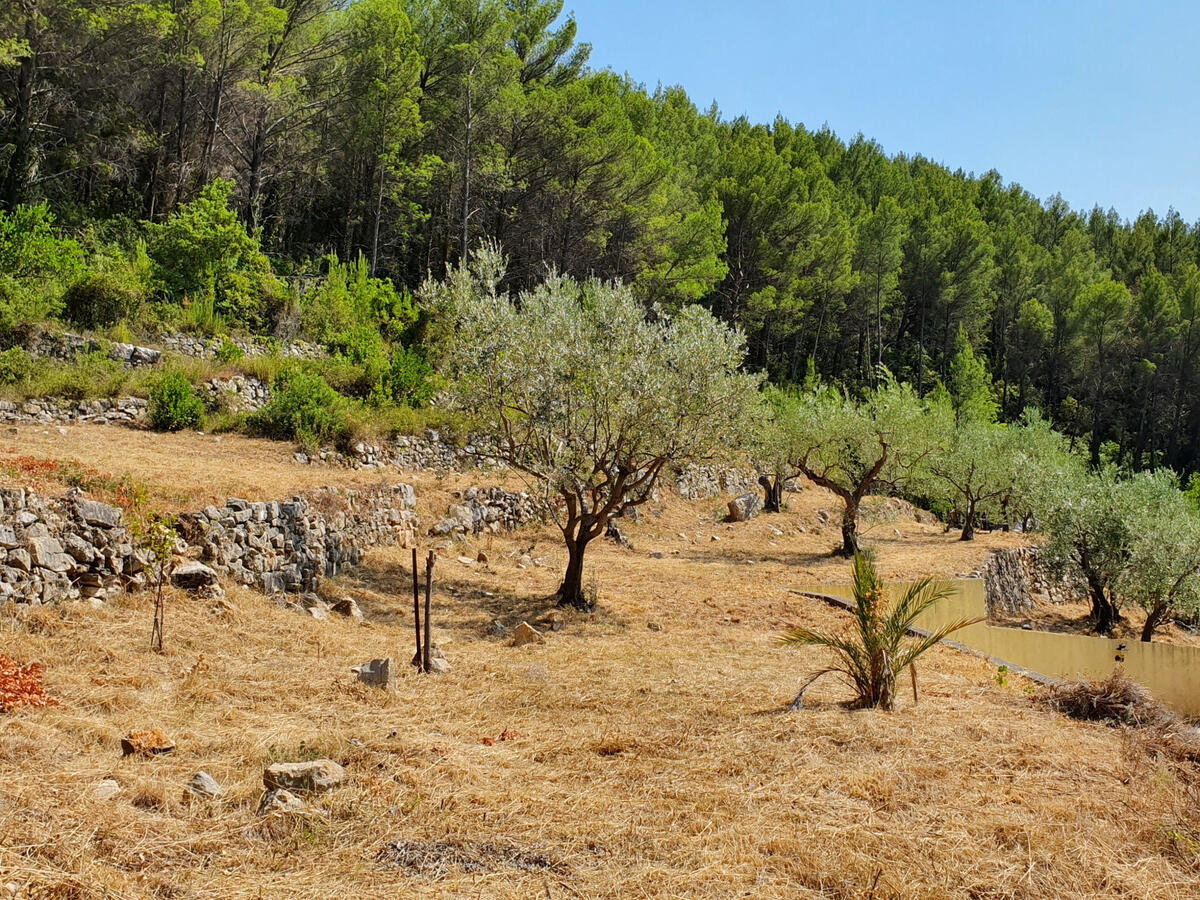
(849,446)
(1162,574)
(1090,532)
(582,390)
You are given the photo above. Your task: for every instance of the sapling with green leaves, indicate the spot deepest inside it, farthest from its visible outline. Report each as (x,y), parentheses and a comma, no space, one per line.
(873,653)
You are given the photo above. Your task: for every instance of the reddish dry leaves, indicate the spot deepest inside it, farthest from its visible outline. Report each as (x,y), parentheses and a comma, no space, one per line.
(21,686)
(506,735)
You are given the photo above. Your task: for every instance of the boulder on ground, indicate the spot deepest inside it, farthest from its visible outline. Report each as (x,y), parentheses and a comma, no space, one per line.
(106,789)
(348,607)
(280,801)
(203,785)
(378,673)
(438,664)
(745,507)
(304,777)
(526,634)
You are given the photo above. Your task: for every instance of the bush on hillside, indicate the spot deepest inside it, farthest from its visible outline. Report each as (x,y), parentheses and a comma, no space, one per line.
(15,365)
(303,408)
(174,404)
(349,298)
(204,254)
(410,378)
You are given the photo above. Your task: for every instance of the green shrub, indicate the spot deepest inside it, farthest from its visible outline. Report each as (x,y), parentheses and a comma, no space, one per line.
(229,351)
(303,408)
(204,251)
(174,404)
(349,298)
(363,350)
(410,378)
(199,315)
(104,298)
(30,251)
(15,365)
(22,306)
(35,264)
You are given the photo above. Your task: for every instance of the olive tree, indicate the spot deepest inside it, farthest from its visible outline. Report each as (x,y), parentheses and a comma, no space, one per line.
(1090,531)
(849,446)
(1162,574)
(995,470)
(1134,539)
(774,445)
(579,388)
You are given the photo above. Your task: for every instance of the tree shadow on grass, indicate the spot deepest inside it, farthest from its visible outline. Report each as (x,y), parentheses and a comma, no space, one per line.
(460,605)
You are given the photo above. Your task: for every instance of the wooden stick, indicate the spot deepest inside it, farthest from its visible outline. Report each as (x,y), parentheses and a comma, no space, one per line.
(912,670)
(418,659)
(427,659)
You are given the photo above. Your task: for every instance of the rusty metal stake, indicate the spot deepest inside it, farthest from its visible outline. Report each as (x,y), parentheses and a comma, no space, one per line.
(418,659)
(427,659)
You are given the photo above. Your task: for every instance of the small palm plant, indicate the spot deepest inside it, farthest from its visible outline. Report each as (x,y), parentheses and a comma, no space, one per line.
(878,649)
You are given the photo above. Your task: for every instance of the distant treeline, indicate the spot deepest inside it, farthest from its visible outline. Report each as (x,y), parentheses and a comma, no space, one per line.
(408,130)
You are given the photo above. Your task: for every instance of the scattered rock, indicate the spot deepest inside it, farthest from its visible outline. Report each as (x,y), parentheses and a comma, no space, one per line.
(280,801)
(466,560)
(657,554)
(106,789)
(497,629)
(150,742)
(481,558)
(654,626)
(526,634)
(348,607)
(745,507)
(378,673)
(314,777)
(614,533)
(438,664)
(203,785)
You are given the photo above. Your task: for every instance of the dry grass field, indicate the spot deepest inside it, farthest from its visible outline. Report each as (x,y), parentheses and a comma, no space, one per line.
(647,749)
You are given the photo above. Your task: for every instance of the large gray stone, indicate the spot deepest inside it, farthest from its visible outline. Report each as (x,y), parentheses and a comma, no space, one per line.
(304,777)
(378,673)
(193,575)
(280,801)
(95,513)
(745,507)
(48,553)
(203,785)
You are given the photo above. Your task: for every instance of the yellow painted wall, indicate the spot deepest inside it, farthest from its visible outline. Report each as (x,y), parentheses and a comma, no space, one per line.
(1170,671)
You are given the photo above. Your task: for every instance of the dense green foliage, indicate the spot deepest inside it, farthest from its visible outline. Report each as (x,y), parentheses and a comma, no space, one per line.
(174,404)
(303,408)
(399,133)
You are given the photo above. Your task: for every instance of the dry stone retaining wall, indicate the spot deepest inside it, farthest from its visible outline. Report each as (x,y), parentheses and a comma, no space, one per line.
(62,547)
(287,546)
(491,509)
(70,547)
(1013,578)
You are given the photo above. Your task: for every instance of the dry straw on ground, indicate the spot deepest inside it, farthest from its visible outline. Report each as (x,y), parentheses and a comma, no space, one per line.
(645,763)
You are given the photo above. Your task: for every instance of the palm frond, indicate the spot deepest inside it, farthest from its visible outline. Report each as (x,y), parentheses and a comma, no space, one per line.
(877,649)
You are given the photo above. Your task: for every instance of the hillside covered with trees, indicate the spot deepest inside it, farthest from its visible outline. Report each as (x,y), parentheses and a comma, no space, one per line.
(406,132)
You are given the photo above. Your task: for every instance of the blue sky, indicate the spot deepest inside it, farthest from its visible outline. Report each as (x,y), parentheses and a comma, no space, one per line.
(1098,101)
